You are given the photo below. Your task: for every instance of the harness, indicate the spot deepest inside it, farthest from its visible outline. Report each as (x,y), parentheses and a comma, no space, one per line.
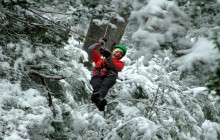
(104,70)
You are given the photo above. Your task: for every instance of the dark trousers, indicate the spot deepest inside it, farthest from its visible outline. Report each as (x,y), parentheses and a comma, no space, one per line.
(102,84)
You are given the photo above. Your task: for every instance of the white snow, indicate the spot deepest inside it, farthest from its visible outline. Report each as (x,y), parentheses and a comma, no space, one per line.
(147,102)
(210,130)
(203,50)
(126,110)
(17,120)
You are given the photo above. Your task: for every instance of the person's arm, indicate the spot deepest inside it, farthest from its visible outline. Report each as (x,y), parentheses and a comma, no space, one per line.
(92,52)
(92,48)
(116,66)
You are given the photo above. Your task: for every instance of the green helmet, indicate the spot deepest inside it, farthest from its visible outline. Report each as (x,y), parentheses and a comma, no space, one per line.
(122,47)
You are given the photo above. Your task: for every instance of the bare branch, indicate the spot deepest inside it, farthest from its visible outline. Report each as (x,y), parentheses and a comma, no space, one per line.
(50,102)
(55,12)
(54,22)
(47,76)
(154,102)
(38,67)
(22,21)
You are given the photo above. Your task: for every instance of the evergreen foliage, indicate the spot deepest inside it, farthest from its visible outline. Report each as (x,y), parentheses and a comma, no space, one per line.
(214,82)
(45,90)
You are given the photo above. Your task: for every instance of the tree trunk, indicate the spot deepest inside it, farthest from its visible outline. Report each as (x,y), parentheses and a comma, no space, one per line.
(113,35)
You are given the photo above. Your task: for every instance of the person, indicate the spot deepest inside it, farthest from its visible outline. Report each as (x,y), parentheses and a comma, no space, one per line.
(105,73)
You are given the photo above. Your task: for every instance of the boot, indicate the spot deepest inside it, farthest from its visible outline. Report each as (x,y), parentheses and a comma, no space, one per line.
(95,97)
(102,103)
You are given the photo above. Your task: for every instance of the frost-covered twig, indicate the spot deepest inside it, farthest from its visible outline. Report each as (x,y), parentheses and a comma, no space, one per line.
(49,93)
(56,12)
(39,66)
(54,23)
(116,129)
(47,76)
(19,19)
(154,102)
(123,99)
(13,34)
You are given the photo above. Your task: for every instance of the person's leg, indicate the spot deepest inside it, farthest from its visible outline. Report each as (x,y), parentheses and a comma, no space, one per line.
(106,84)
(96,84)
(101,105)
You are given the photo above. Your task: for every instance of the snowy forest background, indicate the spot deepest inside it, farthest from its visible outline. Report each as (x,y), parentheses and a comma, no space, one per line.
(168,90)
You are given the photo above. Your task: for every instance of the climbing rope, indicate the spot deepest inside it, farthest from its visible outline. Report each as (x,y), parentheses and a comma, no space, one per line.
(106,29)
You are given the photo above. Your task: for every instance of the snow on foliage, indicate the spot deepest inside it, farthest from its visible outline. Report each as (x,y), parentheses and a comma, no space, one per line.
(147,102)
(203,50)
(23,113)
(211,130)
(157,25)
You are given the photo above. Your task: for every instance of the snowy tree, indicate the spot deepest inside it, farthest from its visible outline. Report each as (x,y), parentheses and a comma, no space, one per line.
(190,28)
(45,90)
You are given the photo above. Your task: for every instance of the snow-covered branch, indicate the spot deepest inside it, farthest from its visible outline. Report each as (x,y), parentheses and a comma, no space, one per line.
(47,76)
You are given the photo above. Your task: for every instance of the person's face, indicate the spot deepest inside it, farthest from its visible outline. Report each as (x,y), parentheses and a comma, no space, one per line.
(117,53)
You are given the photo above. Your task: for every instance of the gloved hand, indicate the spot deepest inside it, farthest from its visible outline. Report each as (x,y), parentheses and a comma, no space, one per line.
(104,63)
(104,52)
(102,41)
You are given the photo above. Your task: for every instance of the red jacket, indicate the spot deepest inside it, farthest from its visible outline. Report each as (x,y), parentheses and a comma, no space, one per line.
(112,65)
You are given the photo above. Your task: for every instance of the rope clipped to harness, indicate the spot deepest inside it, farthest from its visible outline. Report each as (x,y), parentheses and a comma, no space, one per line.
(104,51)
(103,40)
